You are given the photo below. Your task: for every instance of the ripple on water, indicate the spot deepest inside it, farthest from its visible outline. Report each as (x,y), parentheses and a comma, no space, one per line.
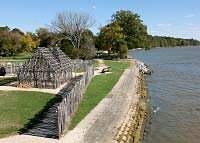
(174,92)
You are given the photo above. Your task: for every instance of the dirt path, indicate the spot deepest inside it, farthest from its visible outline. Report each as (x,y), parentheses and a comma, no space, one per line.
(101,63)
(13,87)
(102,123)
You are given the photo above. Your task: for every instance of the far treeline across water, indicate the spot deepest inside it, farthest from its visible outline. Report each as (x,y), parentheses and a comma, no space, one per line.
(163,41)
(125,31)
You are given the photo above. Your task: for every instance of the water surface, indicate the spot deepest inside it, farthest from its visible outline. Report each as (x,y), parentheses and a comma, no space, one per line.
(174,92)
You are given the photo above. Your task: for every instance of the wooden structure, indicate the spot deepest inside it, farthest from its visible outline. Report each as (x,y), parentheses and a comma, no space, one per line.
(11,68)
(59,115)
(71,97)
(47,68)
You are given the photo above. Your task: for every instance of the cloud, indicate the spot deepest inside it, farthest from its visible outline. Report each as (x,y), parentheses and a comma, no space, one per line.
(189,15)
(94,7)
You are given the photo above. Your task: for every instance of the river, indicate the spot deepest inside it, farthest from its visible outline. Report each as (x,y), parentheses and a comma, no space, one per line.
(174,94)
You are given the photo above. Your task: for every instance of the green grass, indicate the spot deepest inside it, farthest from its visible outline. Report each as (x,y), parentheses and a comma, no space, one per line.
(96,64)
(4,81)
(98,88)
(18,107)
(19,56)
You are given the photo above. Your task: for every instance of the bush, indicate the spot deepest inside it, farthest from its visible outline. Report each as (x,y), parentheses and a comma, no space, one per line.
(2,71)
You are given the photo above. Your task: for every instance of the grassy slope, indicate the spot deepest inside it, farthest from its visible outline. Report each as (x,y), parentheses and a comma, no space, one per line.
(17,107)
(98,88)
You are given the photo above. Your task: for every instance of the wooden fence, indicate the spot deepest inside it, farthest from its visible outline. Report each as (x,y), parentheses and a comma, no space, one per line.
(71,98)
(11,68)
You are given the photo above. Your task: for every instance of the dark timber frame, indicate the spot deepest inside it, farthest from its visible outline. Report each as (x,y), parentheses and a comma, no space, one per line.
(47,68)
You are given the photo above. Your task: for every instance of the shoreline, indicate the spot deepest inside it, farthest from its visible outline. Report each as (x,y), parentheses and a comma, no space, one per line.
(133,128)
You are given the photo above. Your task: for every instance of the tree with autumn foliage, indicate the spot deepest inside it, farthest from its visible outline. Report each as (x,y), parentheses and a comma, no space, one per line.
(15,41)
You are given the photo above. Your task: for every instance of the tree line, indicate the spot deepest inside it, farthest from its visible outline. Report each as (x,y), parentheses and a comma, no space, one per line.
(164,41)
(15,41)
(127,31)
(70,31)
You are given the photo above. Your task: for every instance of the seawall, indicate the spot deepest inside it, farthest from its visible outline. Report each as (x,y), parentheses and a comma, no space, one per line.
(132,129)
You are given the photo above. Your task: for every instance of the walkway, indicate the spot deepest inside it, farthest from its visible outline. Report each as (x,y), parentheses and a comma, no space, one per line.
(102,123)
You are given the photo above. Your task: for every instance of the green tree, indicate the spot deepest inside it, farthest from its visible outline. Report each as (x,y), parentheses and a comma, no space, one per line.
(121,48)
(87,45)
(163,41)
(5,28)
(86,50)
(111,39)
(18,31)
(46,37)
(10,43)
(133,29)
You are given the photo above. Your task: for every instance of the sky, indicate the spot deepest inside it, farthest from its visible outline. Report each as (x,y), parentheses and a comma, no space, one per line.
(177,18)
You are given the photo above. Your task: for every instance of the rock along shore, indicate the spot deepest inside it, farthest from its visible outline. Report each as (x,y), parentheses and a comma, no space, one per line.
(132,129)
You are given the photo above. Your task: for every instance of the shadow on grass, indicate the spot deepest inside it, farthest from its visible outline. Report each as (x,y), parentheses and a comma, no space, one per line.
(38,118)
(40,115)
(5,80)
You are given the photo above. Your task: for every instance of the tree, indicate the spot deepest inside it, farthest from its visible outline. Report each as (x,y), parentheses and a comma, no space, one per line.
(15,41)
(134,30)
(121,48)
(163,41)
(72,25)
(87,47)
(35,39)
(28,44)
(10,43)
(46,37)
(18,31)
(108,36)
(111,39)
(5,28)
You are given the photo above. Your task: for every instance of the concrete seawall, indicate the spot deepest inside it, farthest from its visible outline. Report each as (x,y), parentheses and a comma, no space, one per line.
(132,129)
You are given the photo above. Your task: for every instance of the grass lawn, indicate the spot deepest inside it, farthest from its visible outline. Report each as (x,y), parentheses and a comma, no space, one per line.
(96,64)
(18,58)
(98,88)
(17,107)
(4,81)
